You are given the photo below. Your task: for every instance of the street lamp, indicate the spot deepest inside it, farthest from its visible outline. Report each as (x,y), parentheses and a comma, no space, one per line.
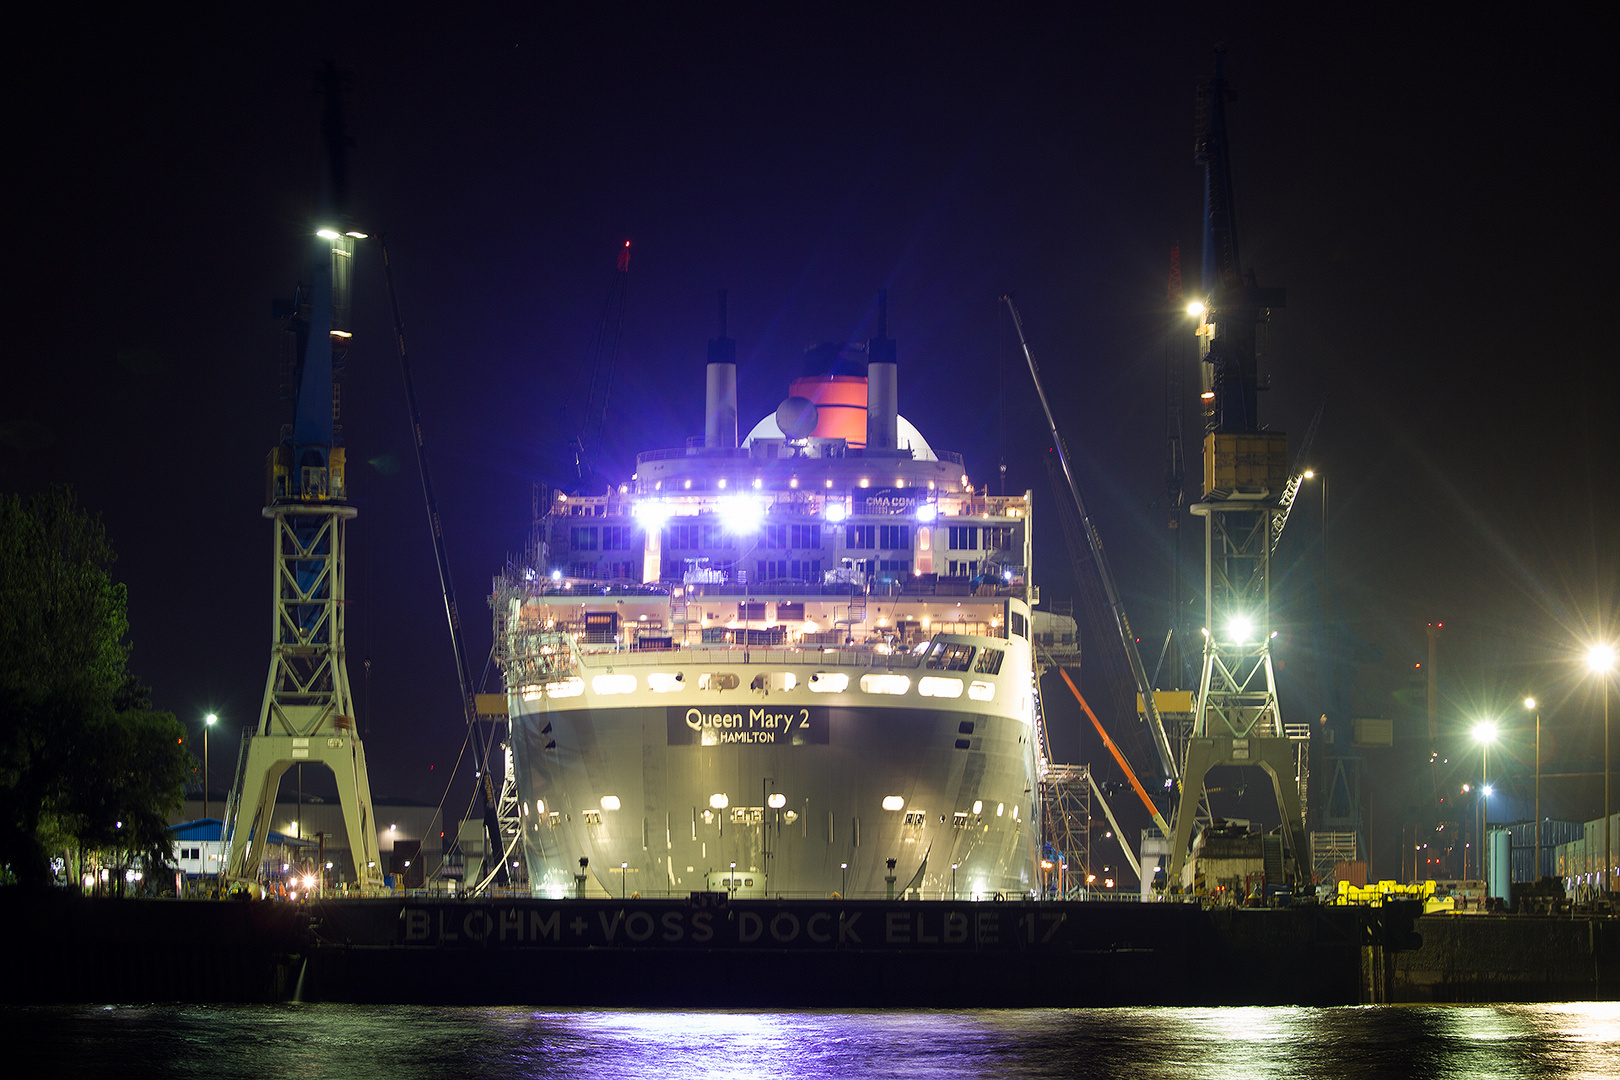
(208,721)
(1485,734)
(1530,704)
(1600,661)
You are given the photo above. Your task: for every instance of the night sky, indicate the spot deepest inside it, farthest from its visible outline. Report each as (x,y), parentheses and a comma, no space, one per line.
(1434,195)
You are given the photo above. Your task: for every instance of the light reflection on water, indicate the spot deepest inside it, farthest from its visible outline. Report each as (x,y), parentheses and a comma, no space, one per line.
(353,1042)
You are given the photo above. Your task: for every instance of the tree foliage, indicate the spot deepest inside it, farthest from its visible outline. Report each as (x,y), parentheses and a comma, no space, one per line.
(85,761)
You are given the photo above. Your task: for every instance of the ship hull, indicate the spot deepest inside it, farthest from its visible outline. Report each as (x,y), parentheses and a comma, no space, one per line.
(779,794)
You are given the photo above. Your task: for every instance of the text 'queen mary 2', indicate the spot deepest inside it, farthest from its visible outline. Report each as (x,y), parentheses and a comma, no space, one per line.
(772,667)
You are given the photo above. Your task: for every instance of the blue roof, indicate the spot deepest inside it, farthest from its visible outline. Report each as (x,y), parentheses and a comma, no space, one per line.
(206,829)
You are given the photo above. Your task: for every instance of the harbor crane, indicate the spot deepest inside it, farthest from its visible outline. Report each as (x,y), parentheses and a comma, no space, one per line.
(307,715)
(1236,717)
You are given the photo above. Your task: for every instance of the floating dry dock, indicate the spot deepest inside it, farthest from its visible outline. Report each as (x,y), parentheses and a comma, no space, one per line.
(753,953)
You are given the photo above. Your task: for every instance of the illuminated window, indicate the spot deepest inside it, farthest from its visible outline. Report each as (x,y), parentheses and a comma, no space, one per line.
(829,682)
(573,686)
(934,686)
(888,683)
(616,683)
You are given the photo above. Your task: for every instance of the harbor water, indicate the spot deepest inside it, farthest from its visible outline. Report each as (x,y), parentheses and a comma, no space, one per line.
(354,1042)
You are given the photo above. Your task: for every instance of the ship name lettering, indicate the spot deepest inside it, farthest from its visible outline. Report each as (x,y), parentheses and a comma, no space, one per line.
(956,925)
(416,924)
(989,928)
(673,931)
(484,927)
(897,928)
(702,930)
(749,926)
(610,929)
(512,919)
(923,939)
(846,928)
(446,935)
(810,928)
(785,935)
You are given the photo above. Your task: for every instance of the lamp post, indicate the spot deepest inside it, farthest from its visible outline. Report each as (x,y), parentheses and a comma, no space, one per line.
(208,721)
(1485,734)
(1600,660)
(1530,703)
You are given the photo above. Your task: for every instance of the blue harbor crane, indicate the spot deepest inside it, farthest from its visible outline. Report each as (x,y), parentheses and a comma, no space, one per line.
(307,715)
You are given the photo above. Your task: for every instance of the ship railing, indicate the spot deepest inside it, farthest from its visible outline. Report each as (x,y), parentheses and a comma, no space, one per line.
(748,654)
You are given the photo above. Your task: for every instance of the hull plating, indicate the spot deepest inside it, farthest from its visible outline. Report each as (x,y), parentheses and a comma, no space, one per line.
(667,799)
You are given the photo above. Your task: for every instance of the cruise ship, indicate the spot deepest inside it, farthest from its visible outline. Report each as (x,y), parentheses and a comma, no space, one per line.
(797,663)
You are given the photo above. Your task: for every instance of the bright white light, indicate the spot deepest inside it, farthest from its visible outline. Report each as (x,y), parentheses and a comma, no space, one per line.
(539,806)
(1487,791)
(210,719)
(1195,309)
(1485,731)
(885,684)
(927,512)
(829,682)
(328,234)
(356,234)
(777,800)
(978,806)
(719,801)
(652,512)
(1600,658)
(309,883)
(1529,702)
(614,683)
(999,808)
(573,686)
(556,575)
(1309,474)
(836,512)
(933,686)
(1239,628)
(610,802)
(741,514)
(665,682)
(893,802)
(981,691)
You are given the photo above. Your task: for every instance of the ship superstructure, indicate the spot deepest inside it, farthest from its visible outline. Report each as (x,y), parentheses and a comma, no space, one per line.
(796,665)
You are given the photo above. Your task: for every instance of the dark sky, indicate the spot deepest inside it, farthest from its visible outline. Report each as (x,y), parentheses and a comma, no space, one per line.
(1434,194)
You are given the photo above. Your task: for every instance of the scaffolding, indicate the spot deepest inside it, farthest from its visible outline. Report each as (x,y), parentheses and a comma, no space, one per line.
(1066,829)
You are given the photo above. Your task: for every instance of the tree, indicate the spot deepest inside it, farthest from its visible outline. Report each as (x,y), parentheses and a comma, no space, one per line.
(84,759)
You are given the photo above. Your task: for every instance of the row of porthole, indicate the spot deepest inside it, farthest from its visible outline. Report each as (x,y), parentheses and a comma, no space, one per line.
(822,682)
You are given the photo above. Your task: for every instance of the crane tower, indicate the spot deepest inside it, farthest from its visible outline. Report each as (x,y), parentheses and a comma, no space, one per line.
(1236,719)
(307,716)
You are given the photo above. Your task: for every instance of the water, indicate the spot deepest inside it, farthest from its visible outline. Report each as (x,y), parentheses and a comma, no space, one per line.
(353,1042)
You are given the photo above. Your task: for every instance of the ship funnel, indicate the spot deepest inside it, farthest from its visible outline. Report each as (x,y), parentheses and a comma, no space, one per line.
(720,393)
(882,392)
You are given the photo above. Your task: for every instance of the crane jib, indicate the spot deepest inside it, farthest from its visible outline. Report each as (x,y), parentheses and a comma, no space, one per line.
(1161,742)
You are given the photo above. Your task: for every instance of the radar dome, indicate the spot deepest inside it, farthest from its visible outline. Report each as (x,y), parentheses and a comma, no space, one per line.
(796,417)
